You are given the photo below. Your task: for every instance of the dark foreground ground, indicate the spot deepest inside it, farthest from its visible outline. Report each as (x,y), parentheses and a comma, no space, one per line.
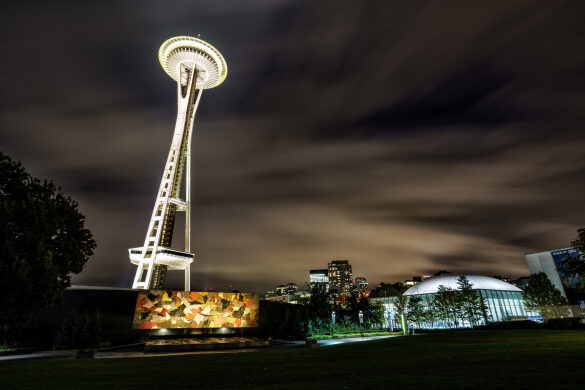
(518,359)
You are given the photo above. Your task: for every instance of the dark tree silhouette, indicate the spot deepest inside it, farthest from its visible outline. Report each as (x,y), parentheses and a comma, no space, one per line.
(42,241)
(387,290)
(373,312)
(319,306)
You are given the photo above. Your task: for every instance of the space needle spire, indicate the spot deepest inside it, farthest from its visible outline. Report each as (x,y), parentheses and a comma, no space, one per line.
(195,65)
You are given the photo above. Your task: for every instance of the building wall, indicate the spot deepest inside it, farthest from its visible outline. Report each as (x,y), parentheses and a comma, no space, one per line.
(544,262)
(503,305)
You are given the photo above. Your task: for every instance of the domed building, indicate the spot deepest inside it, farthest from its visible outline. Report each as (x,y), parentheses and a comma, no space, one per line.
(503,301)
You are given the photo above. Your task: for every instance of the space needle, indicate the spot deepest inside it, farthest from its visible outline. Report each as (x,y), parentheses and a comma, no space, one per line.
(195,65)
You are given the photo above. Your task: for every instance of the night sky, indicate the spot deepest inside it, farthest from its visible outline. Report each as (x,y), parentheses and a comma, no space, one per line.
(405,136)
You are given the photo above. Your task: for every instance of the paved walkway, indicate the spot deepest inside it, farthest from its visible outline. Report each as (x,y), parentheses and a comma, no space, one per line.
(131,354)
(328,342)
(40,355)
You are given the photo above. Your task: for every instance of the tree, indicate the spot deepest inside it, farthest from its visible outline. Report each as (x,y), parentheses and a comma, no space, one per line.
(430,316)
(470,301)
(574,267)
(415,310)
(373,312)
(401,307)
(42,241)
(319,308)
(541,295)
(387,290)
(319,305)
(401,304)
(447,306)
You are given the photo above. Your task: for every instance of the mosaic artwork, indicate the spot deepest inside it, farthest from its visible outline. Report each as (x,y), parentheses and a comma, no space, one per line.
(159,309)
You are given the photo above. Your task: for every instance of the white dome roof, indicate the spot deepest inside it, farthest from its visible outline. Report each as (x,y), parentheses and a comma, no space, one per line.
(431,286)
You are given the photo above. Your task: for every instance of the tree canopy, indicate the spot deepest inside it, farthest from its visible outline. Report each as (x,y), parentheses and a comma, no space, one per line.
(542,295)
(471,304)
(373,312)
(318,305)
(416,311)
(446,306)
(387,290)
(43,240)
(574,267)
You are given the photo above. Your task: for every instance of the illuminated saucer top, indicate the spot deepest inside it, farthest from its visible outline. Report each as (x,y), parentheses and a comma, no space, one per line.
(211,66)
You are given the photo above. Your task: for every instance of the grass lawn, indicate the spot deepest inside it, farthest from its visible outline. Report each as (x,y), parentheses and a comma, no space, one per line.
(518,359)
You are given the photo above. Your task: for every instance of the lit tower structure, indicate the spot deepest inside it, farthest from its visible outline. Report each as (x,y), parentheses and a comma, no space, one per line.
(195,65)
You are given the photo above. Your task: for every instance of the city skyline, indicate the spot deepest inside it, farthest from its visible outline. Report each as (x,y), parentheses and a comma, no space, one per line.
(406,139)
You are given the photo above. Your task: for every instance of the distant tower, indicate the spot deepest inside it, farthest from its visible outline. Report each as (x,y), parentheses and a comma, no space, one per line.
(195,65)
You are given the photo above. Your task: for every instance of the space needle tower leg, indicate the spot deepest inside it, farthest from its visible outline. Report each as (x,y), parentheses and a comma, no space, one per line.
(160,231)
(195,65)
(188,203)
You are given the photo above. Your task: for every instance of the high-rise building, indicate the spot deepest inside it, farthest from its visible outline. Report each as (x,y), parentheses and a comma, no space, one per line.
(340,276)
(195,65)
(319,277)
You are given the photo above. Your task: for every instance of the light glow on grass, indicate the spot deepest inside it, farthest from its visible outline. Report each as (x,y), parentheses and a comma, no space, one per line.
(353,334)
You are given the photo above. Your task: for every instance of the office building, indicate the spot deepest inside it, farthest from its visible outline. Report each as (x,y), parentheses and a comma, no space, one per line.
(340,276)
(319,277)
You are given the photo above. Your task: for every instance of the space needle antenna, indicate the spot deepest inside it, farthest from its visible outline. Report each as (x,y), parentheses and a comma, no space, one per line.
(195,65)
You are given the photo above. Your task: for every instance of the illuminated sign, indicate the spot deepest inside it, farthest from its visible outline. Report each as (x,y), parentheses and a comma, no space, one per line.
(160,309)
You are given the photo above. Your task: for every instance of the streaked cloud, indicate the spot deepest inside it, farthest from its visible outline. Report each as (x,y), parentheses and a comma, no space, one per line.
(405,138)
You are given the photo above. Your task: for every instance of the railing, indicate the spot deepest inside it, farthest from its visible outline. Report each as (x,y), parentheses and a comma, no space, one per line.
(164,251)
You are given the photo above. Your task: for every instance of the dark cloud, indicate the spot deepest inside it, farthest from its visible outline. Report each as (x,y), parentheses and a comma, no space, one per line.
(404,137)
(459,100)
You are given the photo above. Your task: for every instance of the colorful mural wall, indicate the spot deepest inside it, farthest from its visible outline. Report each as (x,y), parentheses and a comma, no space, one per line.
(159,309)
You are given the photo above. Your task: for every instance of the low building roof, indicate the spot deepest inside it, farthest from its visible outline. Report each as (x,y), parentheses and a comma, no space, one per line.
(431,286)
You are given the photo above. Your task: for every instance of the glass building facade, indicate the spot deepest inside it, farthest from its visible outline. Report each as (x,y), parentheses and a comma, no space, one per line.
(503,302)
(503,305)
(500,305)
